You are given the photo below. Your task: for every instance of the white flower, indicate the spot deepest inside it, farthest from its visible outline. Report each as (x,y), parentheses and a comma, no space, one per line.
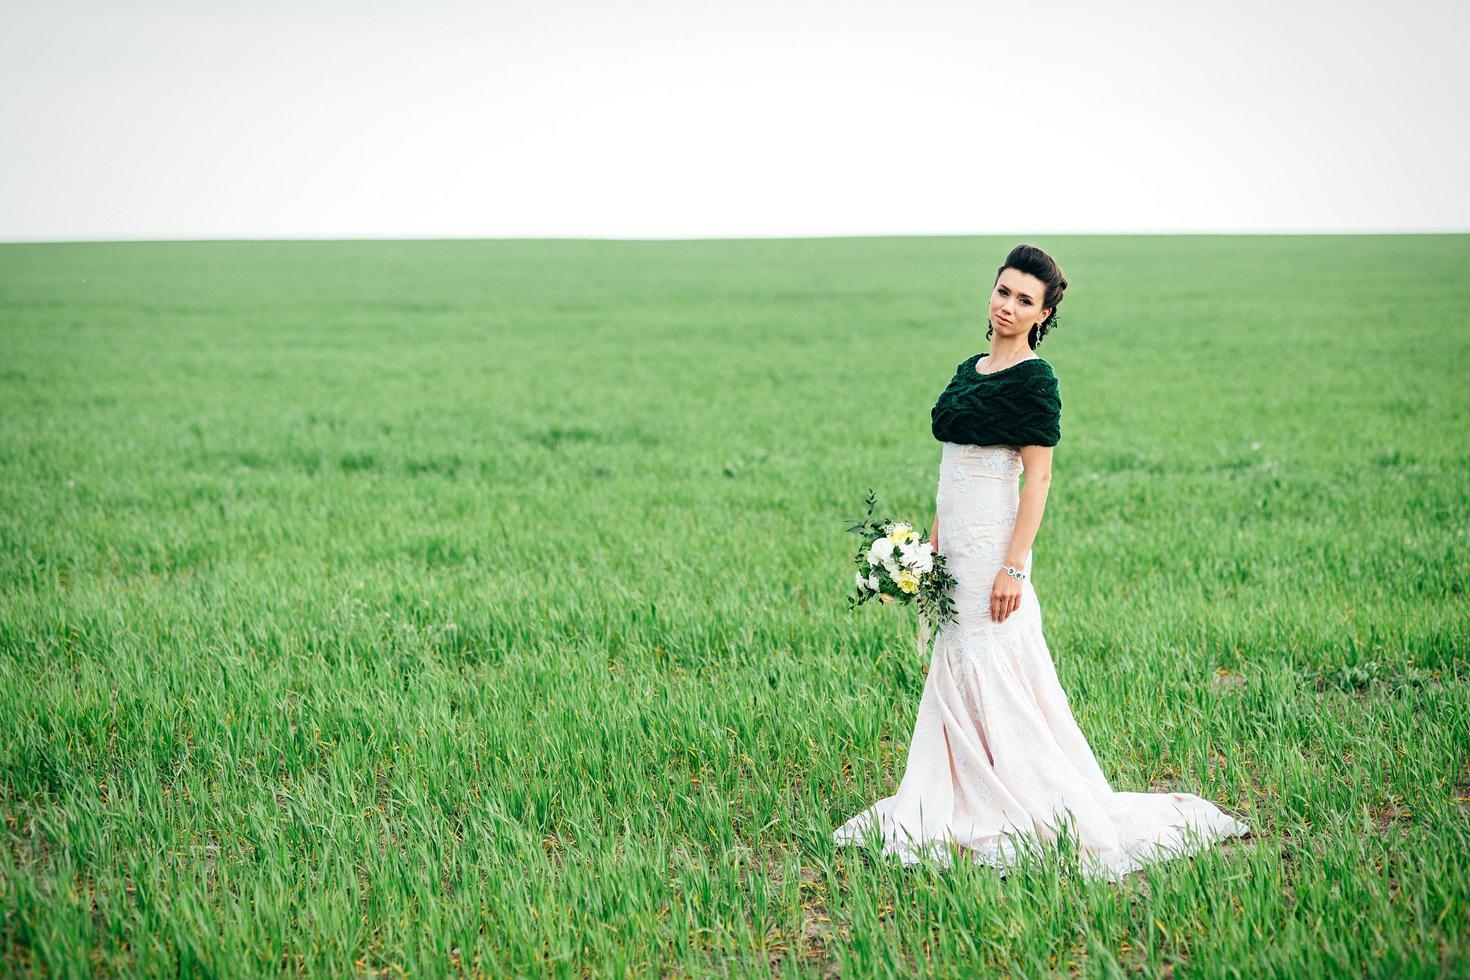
(920,558)
(879,551)
(862,583)
(873,582)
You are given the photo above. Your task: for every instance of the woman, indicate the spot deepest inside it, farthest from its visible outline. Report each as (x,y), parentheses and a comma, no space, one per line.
(996,763)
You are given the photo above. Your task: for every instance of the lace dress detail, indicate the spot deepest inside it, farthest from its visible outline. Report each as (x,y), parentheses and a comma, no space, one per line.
(997,766)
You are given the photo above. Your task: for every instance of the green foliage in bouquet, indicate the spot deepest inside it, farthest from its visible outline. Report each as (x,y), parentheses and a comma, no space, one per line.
(904,568)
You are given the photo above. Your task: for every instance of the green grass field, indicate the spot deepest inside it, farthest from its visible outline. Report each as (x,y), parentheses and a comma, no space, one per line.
(480,607)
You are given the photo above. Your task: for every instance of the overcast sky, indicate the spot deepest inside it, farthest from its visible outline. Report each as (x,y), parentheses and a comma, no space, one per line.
(132,119)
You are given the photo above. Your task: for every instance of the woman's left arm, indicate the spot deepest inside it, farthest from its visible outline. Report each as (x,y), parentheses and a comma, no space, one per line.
(1005,596)
(1036,464)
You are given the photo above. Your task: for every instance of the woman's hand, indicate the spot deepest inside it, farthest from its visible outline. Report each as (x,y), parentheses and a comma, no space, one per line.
(1005,596)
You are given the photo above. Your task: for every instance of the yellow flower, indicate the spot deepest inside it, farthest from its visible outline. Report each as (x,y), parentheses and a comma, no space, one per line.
(901,534)
(885,597)
(907,580)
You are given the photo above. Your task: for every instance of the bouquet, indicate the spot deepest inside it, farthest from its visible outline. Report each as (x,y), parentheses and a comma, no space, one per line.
(898,564)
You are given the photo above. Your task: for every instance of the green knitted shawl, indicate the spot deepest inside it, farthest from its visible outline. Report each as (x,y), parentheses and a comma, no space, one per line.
(1016,406)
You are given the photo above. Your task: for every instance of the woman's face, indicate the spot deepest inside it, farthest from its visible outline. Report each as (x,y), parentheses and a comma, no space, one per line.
(1015,303)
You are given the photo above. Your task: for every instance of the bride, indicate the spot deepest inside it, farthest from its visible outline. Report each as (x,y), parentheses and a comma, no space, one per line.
(997,764)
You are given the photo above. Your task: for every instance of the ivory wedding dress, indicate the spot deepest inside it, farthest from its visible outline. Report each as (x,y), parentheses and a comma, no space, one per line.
(997,764)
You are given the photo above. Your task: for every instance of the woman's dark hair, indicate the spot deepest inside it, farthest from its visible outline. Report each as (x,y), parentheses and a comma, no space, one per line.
(1029,258)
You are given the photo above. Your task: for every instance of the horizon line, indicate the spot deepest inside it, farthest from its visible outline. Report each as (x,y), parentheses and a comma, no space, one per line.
(722,238)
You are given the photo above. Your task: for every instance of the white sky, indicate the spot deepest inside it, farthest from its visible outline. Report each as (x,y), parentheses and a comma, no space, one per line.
(132,119)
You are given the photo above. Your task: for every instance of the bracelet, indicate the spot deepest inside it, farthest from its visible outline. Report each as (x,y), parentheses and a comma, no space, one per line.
(1015,573)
